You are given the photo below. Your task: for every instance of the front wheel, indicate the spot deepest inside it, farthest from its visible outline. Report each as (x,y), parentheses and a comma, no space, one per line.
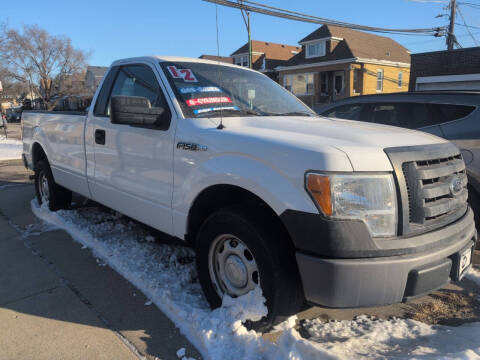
(48,191)
(238,249)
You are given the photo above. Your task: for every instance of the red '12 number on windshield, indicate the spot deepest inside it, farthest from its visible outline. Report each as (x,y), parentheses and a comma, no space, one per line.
(187,75)
(173,71)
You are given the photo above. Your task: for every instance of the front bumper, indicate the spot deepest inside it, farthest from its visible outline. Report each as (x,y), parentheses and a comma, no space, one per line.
(358,282)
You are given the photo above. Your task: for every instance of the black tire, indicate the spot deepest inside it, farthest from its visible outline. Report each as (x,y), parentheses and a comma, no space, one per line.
(58,197)
(272,252)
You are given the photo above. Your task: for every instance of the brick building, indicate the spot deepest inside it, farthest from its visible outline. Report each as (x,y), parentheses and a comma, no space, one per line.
(266,56)
(336,62)
(93,77)
(446,70)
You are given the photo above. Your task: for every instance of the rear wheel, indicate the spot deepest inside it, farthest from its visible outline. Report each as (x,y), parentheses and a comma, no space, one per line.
(238,249)
(47,190)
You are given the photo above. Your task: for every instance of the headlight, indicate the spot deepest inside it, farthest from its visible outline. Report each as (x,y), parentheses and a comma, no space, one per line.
(370,198)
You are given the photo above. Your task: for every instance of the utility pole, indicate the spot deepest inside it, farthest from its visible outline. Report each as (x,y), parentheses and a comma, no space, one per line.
(247,25)
(249,41)
(451,28)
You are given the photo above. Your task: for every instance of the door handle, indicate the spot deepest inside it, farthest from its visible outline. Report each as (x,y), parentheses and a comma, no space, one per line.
(100,137)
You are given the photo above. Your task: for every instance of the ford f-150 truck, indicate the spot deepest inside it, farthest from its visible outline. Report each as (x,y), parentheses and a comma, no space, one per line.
(335,212)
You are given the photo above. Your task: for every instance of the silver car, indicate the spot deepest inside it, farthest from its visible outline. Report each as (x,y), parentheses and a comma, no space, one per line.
(452,115)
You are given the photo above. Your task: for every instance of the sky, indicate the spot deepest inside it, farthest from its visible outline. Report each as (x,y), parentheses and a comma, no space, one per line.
(114,29)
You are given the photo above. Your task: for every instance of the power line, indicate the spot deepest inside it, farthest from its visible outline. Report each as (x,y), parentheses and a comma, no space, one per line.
(431,1)
(408,44)
(467,27)
(470,26)
(292,15)
(476,6)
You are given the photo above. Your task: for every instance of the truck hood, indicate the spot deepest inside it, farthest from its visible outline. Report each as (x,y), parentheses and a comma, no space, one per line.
(362,142)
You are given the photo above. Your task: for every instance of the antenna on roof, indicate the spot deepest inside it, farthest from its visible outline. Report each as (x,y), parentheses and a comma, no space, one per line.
(220,126)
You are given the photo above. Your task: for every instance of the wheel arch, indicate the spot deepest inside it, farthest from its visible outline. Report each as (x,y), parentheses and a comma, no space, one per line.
(38,153)
(219,196)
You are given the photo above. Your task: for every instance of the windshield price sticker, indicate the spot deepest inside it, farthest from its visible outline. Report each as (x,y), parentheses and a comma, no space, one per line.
(199,111)
(208,100)
(185,74)
(199,89)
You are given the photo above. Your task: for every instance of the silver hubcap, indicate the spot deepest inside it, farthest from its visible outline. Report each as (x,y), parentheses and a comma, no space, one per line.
(43,188)
(232,268)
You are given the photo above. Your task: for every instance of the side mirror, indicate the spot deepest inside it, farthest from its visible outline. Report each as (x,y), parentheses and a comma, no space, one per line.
(137,110)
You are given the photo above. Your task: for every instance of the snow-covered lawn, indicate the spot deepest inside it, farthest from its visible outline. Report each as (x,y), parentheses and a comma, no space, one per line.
(166,274)
(10,149)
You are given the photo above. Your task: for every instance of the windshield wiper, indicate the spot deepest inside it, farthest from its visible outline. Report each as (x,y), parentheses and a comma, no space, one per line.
(292,113)
(230,112)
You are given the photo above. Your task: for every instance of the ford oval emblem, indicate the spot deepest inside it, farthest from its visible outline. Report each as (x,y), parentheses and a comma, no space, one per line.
(456,185)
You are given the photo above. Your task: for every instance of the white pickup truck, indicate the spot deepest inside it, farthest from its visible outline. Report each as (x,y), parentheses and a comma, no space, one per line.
(335,212)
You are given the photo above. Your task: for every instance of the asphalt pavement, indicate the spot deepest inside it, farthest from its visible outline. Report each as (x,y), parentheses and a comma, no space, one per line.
(56,302)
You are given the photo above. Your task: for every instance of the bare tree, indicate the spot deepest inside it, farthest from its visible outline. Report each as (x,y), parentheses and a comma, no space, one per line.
(48,65)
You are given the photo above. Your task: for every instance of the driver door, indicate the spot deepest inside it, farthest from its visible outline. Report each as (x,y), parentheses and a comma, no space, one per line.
(133,165)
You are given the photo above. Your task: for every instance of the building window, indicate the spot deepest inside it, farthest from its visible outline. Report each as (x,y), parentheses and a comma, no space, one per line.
(400,79)
(357,83)
(299,84)
(338,82)
(241,60)
(287,82)
(379,80)
(324,83)
(315,49)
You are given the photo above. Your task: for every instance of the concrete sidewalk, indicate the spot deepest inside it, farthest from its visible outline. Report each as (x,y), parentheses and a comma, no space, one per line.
(56,302)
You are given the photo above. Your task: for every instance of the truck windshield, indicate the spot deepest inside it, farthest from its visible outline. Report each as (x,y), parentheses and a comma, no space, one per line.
(210,90)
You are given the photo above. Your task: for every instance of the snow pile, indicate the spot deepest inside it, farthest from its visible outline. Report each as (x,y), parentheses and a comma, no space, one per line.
(397,338)
(166,275)
(474,275)
(10,149)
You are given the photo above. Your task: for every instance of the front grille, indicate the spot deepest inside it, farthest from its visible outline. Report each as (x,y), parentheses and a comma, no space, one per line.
(432,184)
(429,188)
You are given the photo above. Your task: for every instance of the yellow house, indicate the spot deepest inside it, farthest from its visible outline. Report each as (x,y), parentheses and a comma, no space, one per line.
(336,63)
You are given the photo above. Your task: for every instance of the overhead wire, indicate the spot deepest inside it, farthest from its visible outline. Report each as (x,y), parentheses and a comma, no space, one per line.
(253,6)
(476,6)
(467,26)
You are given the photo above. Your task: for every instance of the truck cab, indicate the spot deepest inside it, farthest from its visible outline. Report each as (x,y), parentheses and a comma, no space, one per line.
(334,212)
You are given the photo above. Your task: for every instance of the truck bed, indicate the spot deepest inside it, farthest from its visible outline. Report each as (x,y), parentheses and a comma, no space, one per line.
(62,136)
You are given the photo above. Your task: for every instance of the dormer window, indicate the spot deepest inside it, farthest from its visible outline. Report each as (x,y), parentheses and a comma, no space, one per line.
(241,60)
(315,49)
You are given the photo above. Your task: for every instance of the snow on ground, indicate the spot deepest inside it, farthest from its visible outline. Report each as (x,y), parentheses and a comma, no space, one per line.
(166,274)
(474,275)
(10,149)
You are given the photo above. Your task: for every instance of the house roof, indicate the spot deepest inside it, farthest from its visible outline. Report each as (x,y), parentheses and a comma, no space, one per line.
(271,50)
(355,44)
(225,59)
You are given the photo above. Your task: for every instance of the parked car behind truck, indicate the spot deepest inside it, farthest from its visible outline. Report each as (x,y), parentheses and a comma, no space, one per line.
(452,115)
(335,212)
(14,114)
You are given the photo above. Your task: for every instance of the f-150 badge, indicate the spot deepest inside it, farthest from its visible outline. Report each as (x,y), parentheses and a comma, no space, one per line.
(191,146)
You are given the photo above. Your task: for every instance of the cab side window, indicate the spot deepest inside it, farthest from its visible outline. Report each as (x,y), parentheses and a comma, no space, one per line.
(103,97)
(138,80)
